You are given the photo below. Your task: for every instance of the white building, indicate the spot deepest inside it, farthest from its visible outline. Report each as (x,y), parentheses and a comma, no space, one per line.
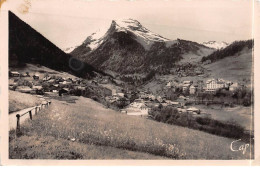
(186,85)
(193,110)
(14,74)
(113,91)
(159,98)
(193,89)
(212,85)
(121,94)
(169,84)
(187,82)
(137,109)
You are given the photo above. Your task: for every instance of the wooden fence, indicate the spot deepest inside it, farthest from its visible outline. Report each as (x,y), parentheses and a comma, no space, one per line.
(29,112)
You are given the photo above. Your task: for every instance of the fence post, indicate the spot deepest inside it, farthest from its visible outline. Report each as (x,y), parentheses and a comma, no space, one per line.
(18,124)
(30,113)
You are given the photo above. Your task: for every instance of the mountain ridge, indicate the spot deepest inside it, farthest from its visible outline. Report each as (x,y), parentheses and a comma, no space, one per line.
(128,47)
(26,45)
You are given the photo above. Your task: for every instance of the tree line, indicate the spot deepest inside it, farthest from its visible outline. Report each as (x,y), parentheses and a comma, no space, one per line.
(230,50)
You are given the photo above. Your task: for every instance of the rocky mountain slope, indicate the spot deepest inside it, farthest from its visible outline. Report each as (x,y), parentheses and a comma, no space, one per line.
(128,47)
(26,45)
(69,49)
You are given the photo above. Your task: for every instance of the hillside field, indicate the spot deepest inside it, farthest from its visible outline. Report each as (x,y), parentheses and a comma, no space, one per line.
(17,101)
(74,128)
(233,68)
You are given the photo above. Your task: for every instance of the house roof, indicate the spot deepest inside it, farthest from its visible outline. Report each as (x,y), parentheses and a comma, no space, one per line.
(210,80)
(23,88)
(185,85)
(37,87)
(193,86)
(66,89)
(175,103)
(192,109)
(186,81)
(218,81)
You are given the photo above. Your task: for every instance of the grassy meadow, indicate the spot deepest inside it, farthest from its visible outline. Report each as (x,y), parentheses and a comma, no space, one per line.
(75,128)
(239,114)
(18,102)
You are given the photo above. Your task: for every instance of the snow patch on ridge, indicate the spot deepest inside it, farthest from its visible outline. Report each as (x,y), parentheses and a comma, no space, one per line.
(142,35)
(215,45)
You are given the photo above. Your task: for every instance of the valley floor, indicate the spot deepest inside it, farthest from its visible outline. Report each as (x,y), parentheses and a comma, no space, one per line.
(86,129)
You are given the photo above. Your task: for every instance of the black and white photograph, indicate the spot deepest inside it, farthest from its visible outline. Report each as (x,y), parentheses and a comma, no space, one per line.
(130,79)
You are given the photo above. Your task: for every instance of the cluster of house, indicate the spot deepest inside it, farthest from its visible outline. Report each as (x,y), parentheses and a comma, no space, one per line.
(211,85)
(116,97)
(102,80)
(146,101)
(55,84)
(143,102)
(186,86)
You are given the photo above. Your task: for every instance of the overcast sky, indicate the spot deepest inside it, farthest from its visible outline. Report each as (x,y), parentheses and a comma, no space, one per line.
(68,22)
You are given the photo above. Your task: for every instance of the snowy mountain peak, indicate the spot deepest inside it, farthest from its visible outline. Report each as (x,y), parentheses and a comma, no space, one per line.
(127,23)
(95,39)
(215,44)
(135,27)
(141,34)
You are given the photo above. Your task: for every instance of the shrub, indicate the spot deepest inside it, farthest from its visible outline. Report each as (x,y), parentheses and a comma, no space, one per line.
(94,98)
(247,101)
(22,82)
(203,121)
